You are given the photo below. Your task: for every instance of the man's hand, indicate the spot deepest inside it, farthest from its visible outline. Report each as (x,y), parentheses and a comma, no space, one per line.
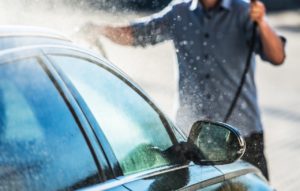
(89,31)
(257,12)
(87,28)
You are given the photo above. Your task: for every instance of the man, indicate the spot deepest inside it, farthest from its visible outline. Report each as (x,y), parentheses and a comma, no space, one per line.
(212,41)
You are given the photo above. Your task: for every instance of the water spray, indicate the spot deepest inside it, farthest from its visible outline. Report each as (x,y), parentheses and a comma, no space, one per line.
(90,37)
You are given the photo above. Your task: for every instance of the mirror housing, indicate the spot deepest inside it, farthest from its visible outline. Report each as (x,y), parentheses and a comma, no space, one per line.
(219,143)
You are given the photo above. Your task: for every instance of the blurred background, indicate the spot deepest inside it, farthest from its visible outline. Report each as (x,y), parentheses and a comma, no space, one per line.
(154,68)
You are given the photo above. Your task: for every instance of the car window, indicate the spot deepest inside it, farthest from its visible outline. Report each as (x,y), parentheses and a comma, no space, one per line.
(133,128)
(41,145)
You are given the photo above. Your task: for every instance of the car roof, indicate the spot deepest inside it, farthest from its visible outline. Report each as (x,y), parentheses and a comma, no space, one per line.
(19,36)
(19,30)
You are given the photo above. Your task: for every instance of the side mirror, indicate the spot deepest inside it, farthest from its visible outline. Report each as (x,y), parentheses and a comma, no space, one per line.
(218,143)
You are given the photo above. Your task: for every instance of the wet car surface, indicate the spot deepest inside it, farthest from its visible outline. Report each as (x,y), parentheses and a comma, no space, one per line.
(70,120)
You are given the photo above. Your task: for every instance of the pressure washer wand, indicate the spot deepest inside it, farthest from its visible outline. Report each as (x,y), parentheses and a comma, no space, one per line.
(247,67)
(90,37)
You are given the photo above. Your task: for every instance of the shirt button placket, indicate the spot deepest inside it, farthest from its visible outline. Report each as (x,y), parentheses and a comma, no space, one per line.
(206,57)
(207,76)
(205,44)
(206,35)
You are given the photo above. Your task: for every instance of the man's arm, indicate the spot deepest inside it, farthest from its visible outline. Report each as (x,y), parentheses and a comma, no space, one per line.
(148,30)
(119,34)
(273,46)
(122,35)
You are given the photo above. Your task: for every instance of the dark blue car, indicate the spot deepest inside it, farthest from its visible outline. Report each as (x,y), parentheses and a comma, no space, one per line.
(71,120)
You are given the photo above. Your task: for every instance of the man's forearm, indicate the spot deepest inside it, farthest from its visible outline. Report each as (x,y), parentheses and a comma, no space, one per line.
(119,34)
(122,35)
(272,44)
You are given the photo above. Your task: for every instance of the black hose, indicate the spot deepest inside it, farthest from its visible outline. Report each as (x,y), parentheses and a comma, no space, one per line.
(243,79)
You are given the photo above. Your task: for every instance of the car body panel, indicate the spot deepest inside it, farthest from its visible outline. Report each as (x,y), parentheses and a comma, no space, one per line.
(238,168)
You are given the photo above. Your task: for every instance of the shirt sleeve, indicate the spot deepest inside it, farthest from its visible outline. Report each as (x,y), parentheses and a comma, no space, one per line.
(153,29)
(258,49)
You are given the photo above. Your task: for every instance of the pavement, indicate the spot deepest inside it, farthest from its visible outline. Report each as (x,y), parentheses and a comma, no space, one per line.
(155,70)
(279,90)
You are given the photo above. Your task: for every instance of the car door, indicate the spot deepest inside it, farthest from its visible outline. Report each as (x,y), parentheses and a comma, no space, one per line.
(132,130)
(241,176)
(45,142)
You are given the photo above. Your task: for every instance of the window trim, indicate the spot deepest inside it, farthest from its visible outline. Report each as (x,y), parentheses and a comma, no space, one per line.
(81,120)
(9,57)
(101,138)
(134,177)
(65,51)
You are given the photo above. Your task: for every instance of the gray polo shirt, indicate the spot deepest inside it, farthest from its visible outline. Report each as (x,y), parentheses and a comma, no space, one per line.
(211,48)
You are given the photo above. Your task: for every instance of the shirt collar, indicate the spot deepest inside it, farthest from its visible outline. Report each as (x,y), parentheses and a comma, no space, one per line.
(225,4)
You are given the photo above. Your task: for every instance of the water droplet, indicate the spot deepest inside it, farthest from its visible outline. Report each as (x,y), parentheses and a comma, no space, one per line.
(244,105)
(179,18)
(183,43)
